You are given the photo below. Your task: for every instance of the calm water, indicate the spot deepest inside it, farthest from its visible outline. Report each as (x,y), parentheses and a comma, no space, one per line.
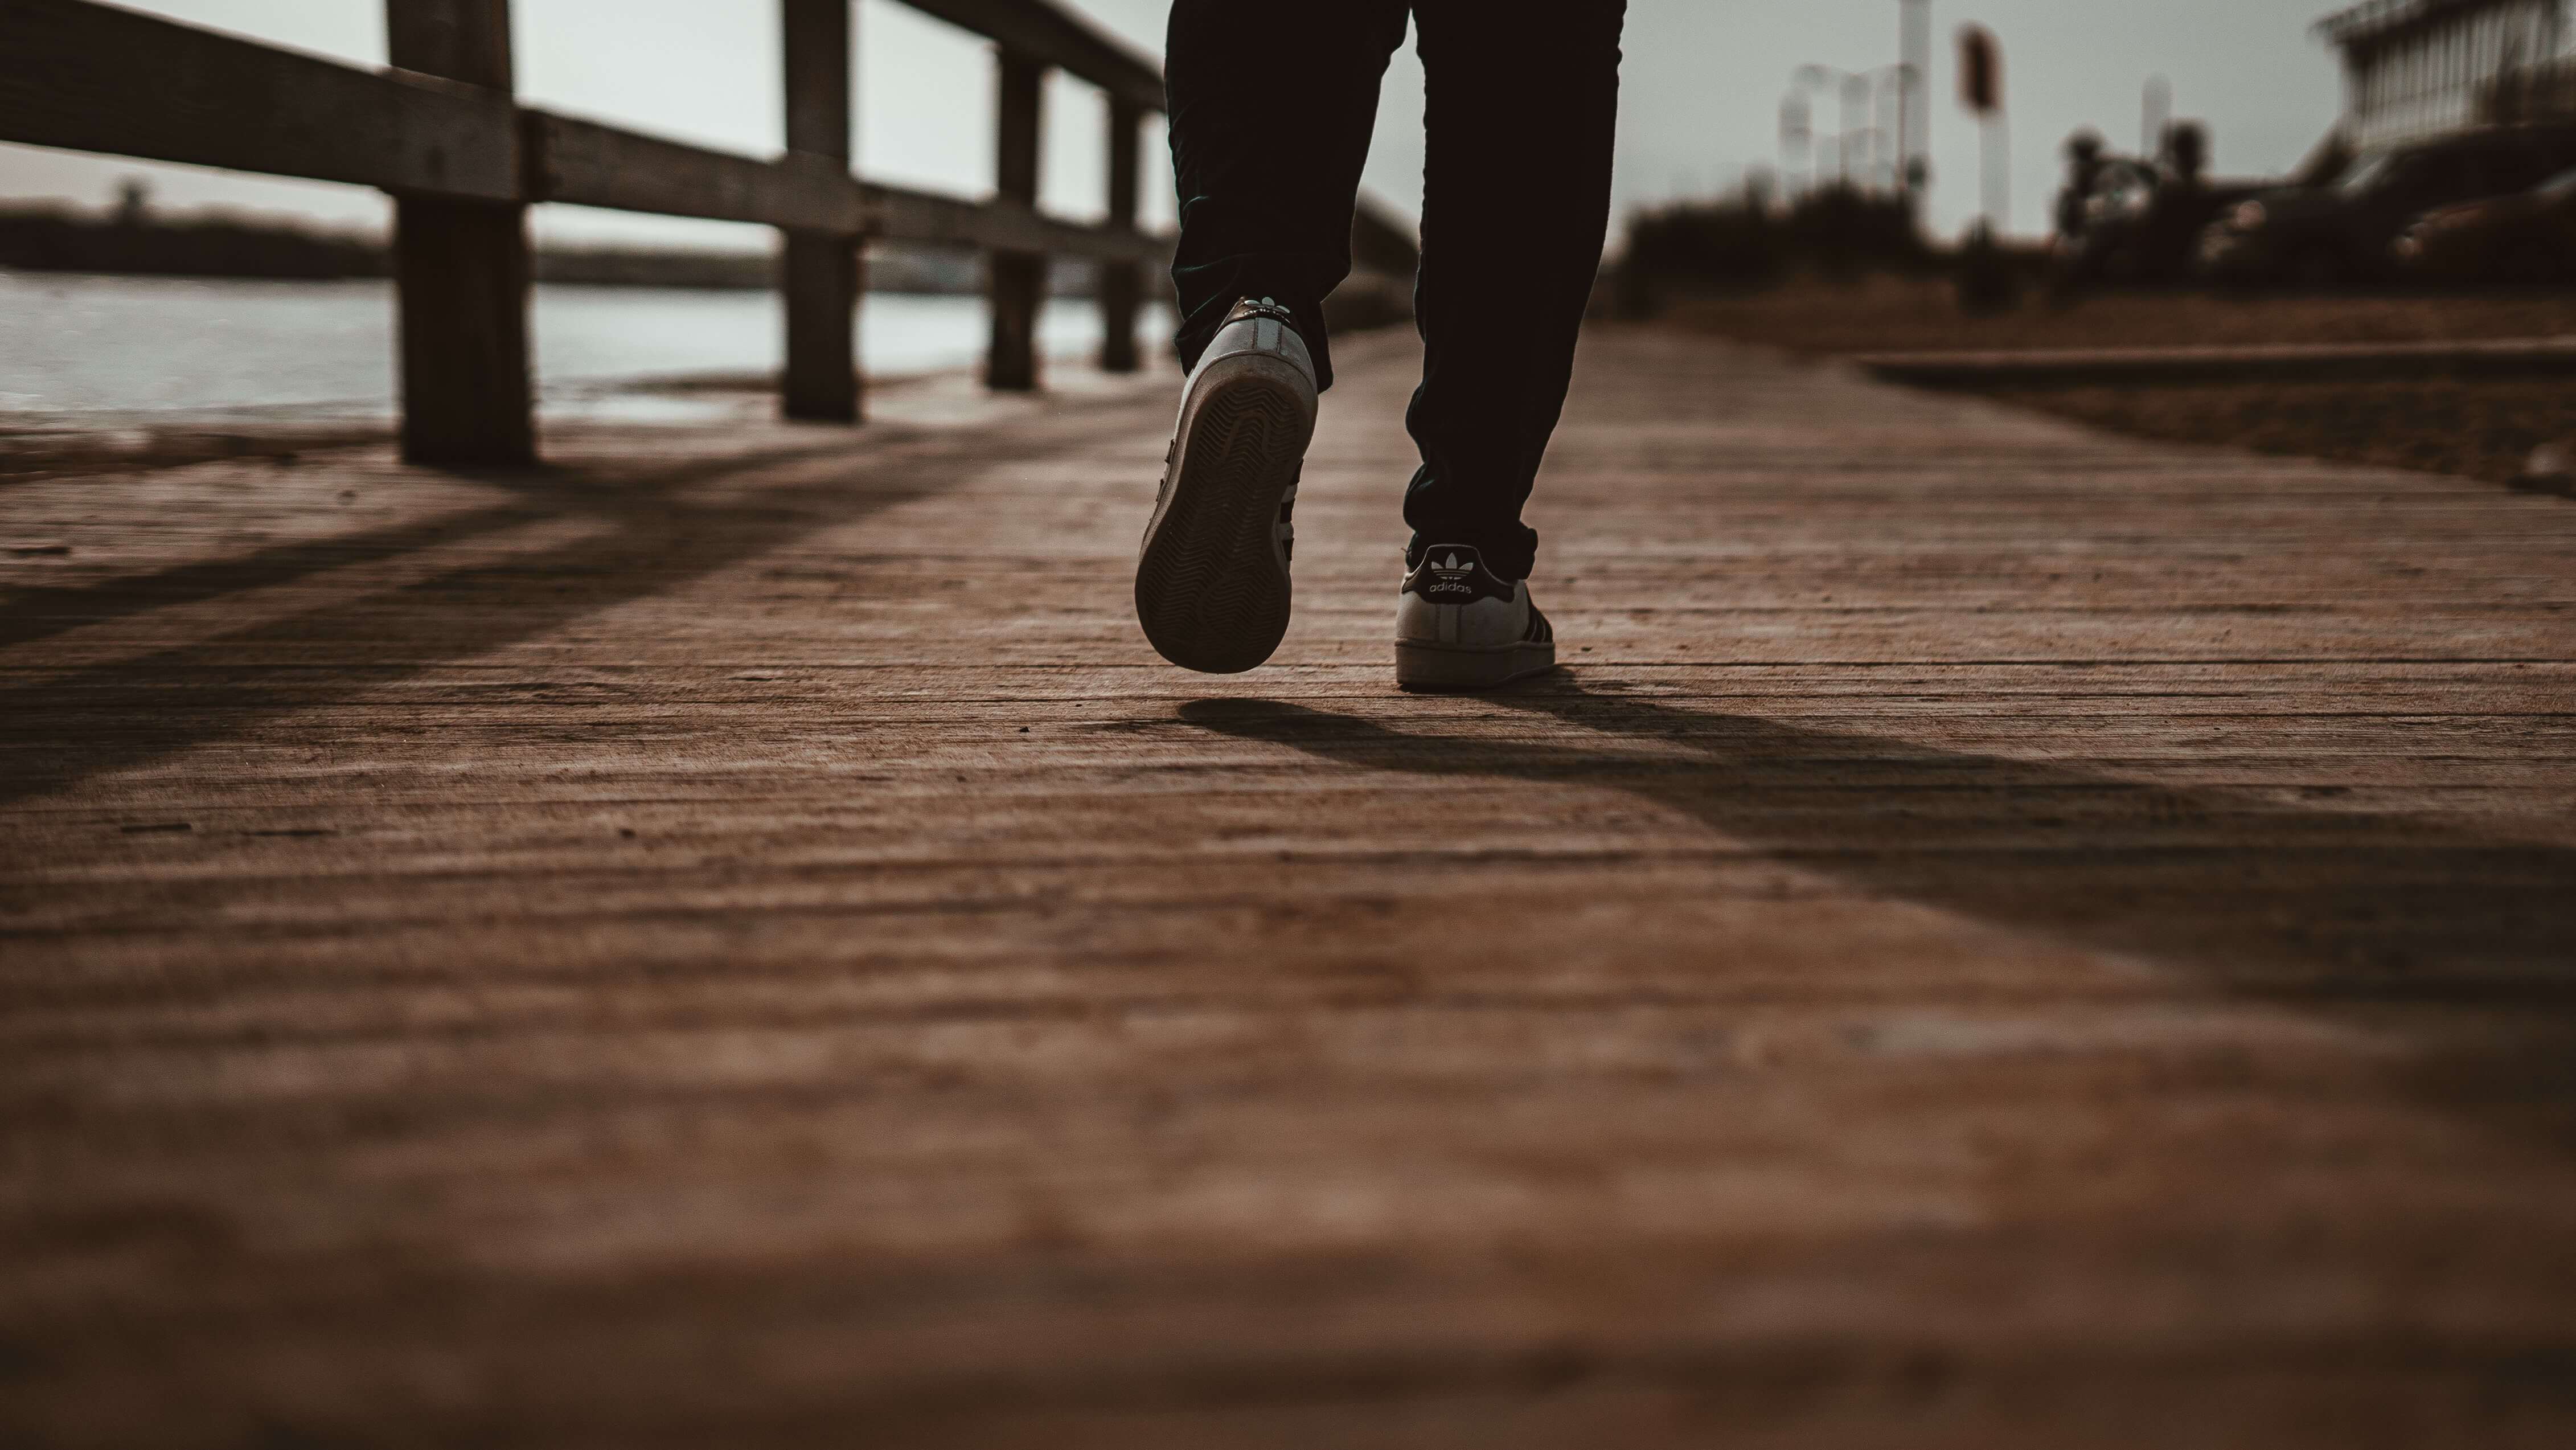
(71,343)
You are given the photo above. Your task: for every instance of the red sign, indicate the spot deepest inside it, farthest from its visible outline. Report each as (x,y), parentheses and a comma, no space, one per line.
(1981,70)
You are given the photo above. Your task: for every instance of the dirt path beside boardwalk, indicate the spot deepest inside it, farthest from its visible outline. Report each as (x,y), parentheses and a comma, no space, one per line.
(2484,428)
(1883,313)
(2006,936)
(2481,427)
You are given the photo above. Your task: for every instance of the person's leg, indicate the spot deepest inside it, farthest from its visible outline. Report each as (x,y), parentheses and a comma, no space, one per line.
(1271,102)
(1516,200)
(1271,106)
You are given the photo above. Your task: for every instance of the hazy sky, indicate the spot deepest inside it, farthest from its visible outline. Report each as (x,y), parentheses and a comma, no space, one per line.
(1700,100)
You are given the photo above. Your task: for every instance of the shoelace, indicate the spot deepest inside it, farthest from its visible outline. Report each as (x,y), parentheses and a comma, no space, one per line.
(1266,307)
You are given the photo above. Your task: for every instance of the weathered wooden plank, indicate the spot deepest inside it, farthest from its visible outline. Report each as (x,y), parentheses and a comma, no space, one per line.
(814,60)
(819,272)
(96,78)
(902,214)
(457,40)
(1051,36)
(461,311)
(461,269)
(595,165)
(1015,281)
(589,164)
(1122,283)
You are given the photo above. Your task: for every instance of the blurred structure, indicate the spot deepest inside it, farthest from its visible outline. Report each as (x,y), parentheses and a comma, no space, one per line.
(1752,240)
(132,239)
(1883,124)
(2446,102)
(2083,174)
(1869,141)
(2524,238)
(2416,68)
(2134,220)
(2347,230)
(2543,92)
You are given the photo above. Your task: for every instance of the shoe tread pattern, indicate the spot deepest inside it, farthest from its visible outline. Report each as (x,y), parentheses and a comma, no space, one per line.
(1210,590)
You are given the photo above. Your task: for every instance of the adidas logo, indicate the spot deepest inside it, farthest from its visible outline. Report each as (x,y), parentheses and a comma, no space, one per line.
(1450,576)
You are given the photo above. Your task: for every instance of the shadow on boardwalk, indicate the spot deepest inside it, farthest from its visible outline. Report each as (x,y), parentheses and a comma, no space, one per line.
(655,530)
(2334,910)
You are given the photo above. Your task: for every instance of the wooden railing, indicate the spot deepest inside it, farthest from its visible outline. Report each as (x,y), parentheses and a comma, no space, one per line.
(440,130)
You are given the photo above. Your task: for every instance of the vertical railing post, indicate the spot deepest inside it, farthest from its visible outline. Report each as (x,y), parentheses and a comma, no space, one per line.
(819,271)
(1121,283)
(1018,279)
(461,267)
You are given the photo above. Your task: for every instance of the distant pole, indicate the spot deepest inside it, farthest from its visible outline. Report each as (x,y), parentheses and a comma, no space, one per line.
(461,267)
(1904,93)
(819,271)
(1994,162)
(2155,109)
(1887,132)
(1981,90)
(1855,94)
(1914,57)
(1797,140)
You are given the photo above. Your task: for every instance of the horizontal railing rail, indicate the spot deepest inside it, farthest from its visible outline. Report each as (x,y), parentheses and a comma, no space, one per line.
(440,130)
(87,77)
(91,77)
(1048,34)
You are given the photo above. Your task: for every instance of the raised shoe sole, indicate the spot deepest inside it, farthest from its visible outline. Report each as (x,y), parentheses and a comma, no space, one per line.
(1211,583)
(1468,667)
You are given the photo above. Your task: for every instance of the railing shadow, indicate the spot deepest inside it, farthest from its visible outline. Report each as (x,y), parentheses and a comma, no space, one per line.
(43,611)
(664,527)
(546,491)
(2355,912)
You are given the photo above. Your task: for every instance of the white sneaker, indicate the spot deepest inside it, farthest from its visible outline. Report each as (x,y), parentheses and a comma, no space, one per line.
(1461,626)
(1212,577)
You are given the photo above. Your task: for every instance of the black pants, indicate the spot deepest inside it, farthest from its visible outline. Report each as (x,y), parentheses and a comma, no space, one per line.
(1271,107)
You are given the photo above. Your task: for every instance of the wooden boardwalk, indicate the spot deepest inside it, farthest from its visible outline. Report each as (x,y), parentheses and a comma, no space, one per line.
(2005,936)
